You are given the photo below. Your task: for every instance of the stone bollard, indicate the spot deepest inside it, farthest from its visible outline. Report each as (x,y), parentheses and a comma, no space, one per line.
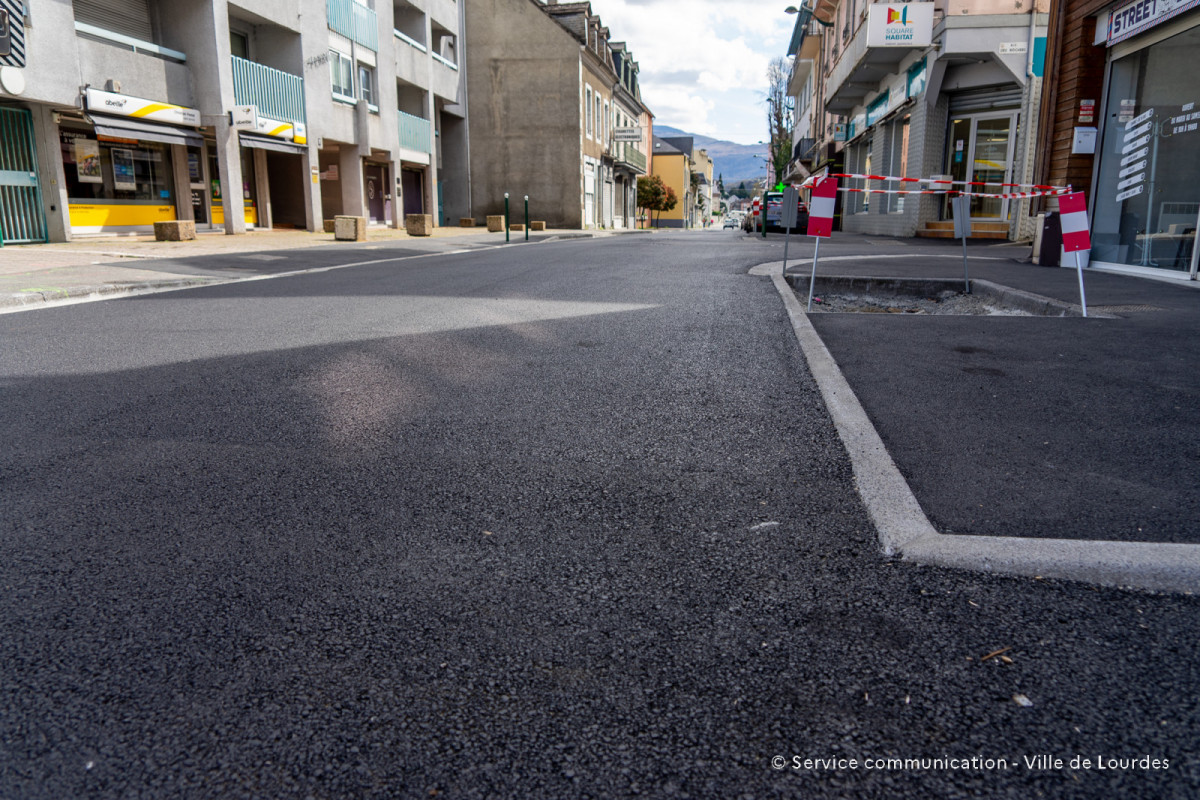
(330,226)
(466,222)
(419,224)
(178,230)
(516,227)
(537,225)
(350,229)
(495,223)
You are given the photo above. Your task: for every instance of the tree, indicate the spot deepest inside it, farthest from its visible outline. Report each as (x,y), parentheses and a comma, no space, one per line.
(651,192)
(779,115)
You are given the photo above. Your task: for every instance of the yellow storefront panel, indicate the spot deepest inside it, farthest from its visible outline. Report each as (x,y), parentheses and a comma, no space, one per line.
(100,215)
(218,214)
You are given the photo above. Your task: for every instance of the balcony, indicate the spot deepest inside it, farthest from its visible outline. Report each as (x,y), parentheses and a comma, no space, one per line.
(354,21)
(628,155)
(278,95)
(415,133)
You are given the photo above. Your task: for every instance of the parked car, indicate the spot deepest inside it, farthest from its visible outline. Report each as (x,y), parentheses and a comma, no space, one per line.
(774,204)
(730,222)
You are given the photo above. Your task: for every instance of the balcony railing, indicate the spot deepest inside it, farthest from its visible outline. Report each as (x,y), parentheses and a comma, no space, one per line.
(632,156)
(354,21)
(278,95)
(415,133)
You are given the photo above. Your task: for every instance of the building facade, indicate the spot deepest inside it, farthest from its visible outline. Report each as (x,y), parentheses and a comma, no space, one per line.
(1121,123)
(268,113)
(943,88)
(548,93)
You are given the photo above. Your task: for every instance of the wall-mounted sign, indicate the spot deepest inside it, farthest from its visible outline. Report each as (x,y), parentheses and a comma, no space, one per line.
(1136,16)
(1012,48)
(839,132)
(1087,112)
(900,25)
(122,105)
(244,118)
(627,134)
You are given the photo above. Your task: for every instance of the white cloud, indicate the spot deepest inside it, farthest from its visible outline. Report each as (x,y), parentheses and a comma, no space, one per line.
(703,62)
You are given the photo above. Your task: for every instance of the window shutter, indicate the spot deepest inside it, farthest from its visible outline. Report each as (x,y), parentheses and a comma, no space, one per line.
(129,17)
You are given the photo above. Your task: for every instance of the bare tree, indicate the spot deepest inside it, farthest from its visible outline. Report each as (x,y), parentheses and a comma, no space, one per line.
(779,117)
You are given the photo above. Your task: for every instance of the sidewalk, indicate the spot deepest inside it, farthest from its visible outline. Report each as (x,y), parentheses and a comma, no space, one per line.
(91,267)
(94,266)
(1057,434)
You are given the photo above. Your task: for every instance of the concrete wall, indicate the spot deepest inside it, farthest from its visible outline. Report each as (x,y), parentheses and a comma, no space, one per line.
(525,111)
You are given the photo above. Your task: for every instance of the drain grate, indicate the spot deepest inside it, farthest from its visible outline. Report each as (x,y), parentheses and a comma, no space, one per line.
(1124,309)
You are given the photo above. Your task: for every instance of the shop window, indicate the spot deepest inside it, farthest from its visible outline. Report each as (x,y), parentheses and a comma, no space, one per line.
(1147,199)
(115,170)
(342,75)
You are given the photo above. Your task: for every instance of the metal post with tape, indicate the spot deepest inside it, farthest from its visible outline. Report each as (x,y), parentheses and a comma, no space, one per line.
(961,207)
(1073,214)
(789,215)
(820,221)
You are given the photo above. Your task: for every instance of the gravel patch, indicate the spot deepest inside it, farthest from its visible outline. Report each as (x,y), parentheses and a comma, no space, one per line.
(943,303)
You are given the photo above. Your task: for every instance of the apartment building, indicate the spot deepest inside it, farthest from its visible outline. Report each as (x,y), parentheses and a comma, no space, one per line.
(556,113)
(261,113)
(949,88)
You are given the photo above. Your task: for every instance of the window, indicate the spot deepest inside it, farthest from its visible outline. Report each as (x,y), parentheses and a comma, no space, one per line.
(239,44)
(366,86)
(606,122)
(597,116)
(342,75)
(587,102)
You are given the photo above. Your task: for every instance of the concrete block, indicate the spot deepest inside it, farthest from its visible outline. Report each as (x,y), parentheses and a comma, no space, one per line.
(178,230)
(516,226)
(419,224)
(350,229)
(495,223)
(330,226)
(466,222)
(537,225)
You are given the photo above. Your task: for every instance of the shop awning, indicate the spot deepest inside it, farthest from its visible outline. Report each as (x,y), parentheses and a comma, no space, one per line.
(124,128)
(278,145)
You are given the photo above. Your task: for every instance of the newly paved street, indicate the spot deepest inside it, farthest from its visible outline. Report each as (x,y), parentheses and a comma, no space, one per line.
(559,520)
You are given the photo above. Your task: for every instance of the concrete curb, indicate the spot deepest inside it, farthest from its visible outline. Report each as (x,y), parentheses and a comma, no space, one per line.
(18,301)
(904,529)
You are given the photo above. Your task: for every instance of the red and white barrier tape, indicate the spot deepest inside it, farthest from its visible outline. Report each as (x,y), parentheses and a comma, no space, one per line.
(1039,190)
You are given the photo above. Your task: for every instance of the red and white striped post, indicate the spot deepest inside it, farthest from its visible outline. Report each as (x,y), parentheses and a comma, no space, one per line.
(1073,209)
(820,221)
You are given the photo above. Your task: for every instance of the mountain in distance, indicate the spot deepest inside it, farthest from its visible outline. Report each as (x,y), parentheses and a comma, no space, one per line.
(733,162)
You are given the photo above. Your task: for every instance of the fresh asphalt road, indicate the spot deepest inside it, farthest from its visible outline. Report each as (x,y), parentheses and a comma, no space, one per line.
(560,520)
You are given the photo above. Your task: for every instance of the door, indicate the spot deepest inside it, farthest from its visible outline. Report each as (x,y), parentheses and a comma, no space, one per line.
(376,189)
(981,151)
(22,219)
(411,184)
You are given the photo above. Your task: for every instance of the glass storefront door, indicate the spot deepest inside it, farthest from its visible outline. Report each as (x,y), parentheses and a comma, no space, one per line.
(981,149)
(1147,199)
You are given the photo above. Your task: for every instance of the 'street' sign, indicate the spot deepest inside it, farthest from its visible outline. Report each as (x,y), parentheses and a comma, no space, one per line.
(900,25)
(1130,19)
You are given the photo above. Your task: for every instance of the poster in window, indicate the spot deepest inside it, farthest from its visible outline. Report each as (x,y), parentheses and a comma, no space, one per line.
(87,161)
(123,174)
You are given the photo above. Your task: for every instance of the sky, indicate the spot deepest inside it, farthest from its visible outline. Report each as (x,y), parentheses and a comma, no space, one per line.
(703,62)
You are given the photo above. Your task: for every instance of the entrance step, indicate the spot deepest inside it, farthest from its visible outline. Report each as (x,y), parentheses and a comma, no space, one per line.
(979,230)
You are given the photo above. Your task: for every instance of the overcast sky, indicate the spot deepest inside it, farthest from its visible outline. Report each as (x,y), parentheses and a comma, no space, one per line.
(703,62)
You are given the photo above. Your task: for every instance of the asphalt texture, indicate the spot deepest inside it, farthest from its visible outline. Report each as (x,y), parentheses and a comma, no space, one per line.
(1065,428)
(565,520)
